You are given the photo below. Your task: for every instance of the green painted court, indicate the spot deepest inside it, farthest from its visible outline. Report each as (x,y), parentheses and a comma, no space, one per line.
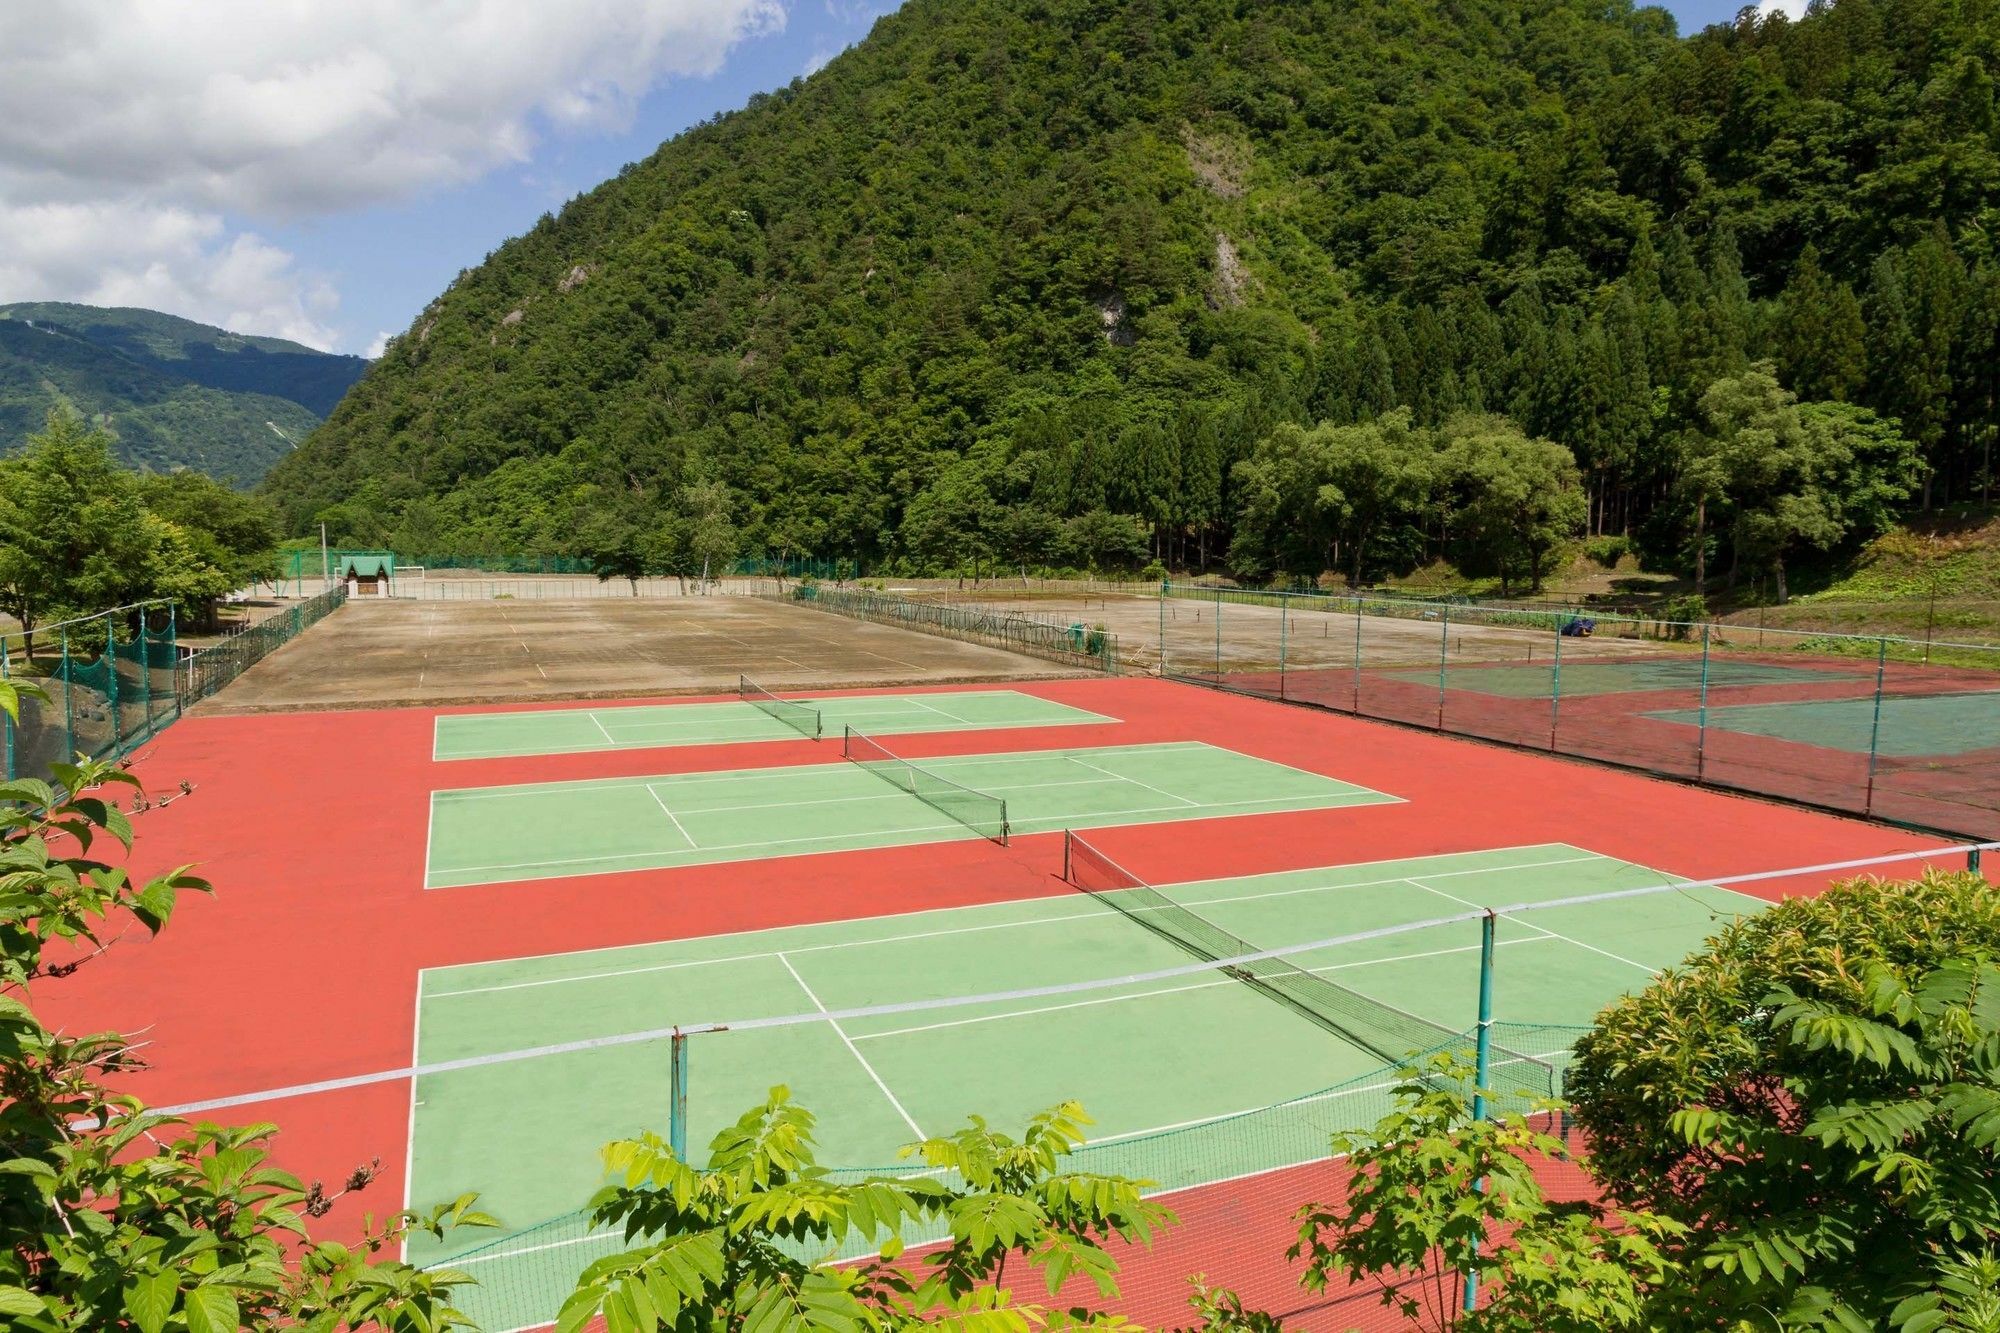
(1145,1058)
(645,726)
(491,835)
(1910,725)
(1518,681)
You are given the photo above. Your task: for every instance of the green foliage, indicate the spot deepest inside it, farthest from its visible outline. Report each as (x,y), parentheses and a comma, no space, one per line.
(174,394)
(80,534)
(1814,1098)
(1335,496)
(1519,498)
(1115,246)
(118,1217)
(1433,1194)
(752,1238)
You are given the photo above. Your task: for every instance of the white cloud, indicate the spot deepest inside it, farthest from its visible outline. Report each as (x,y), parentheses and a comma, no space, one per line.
(817,61)
(378,344)
(162,258)
(1791,9)
(133,131)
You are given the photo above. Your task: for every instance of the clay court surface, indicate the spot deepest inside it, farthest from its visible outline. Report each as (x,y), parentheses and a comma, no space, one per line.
(318,829)
(375,654)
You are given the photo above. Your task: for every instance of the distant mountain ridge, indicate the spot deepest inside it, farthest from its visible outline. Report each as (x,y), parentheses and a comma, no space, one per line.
(175,393)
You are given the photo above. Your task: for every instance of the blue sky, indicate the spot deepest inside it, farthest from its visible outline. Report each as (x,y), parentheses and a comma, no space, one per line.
(321,172)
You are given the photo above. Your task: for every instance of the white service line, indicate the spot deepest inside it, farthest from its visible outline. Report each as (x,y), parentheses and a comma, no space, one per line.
(841,1032)
(1648,969)
(679,827)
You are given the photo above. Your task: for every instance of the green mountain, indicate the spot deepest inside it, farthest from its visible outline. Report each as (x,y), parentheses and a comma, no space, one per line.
(172,392)
(1008,263)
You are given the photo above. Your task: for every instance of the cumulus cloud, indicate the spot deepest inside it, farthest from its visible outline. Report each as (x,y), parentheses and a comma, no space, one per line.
(378,344)
(135,133)
(1791,9)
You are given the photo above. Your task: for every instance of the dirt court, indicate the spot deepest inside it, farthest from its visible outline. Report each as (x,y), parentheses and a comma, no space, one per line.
(376,654)
(1256,638)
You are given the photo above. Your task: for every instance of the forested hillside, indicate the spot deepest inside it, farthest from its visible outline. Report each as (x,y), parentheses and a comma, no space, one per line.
(1047,278)
(173,393)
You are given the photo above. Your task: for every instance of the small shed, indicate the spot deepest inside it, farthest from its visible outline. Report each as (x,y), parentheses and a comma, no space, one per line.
(368,575)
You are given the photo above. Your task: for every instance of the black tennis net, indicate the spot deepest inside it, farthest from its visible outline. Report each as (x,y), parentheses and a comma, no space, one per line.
(983,814)
(800,717)
(1386,1031)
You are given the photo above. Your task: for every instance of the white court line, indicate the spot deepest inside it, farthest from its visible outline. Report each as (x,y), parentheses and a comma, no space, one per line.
(1174,990)
(1172,796)
(681,828)
(1093,913)
(854,1050)
(599,724)
(1552,934)
(1279,806)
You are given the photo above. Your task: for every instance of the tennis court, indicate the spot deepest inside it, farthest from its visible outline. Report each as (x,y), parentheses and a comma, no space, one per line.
(496,835)
(645,726)
(1145,1057)
(1656,672)
(1907,726)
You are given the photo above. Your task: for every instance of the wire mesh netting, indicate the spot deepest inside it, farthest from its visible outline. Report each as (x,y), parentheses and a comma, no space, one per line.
(1075,641)
(800,717)
(1894,729)
(213,667)
(107,682)
(1381,1029)
(983,814)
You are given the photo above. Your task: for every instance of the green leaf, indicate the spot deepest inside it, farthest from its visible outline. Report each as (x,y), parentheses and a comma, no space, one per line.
(211,1310)
(150,1299)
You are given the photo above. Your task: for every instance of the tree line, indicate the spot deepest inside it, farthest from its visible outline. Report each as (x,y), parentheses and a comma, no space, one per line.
(80,533)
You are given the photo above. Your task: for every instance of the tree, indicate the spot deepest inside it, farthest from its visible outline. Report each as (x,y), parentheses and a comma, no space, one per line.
(711,534)
(72,535)
(1518,496)
(724,1241)
(1100,538)
(617,547)
(1414,1218)
(1314,498)
(1815,1098)
(234,532)
(116,1217)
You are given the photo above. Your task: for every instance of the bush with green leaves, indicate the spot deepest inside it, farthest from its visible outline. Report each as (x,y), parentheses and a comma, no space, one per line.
(753,1240)
(116,1217)
(1815,1097)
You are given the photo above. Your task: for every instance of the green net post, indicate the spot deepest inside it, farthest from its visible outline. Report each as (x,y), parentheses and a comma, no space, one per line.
(1444,659)
(1701,730)
(1357,653)
(1165,589)
(69,703)
(1875,724)
(1482,1069)
(677,1095)
(1972,861)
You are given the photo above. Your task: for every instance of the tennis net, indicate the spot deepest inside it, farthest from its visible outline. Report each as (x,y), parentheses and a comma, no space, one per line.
(800,717)
(1386,1031)
(983,814)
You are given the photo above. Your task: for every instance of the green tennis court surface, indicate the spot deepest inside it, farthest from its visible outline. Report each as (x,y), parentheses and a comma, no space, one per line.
(1911,725)
(1143,1058)
(491,835)
(575,730)
(1517,681)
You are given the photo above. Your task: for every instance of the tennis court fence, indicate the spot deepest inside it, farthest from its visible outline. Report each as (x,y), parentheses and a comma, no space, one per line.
(1075,643)
(1901,730)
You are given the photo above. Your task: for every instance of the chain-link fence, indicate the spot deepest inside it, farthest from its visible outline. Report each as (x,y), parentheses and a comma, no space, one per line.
(109,682)
(1074,642)
(1896,729)
(213,667)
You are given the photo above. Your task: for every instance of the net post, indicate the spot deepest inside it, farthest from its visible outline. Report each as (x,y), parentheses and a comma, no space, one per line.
(1875,725)
(1069,856)
(1483,1065)
(1972,861)
(677,1089)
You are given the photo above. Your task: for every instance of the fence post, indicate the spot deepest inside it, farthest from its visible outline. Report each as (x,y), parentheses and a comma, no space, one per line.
(1701,730)
(1284,634)
(1218,634)
(1444,659)
(677,1095)
(1556,684)
(69,703)
(1875,725)
(1166,586)
(174,651)
(145,672)
(1482,1069)
(109,660)
(10,735)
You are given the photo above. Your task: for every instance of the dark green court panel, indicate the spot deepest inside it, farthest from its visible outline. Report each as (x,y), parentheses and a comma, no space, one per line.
(489,835)
(1535,681)
(1909,726)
